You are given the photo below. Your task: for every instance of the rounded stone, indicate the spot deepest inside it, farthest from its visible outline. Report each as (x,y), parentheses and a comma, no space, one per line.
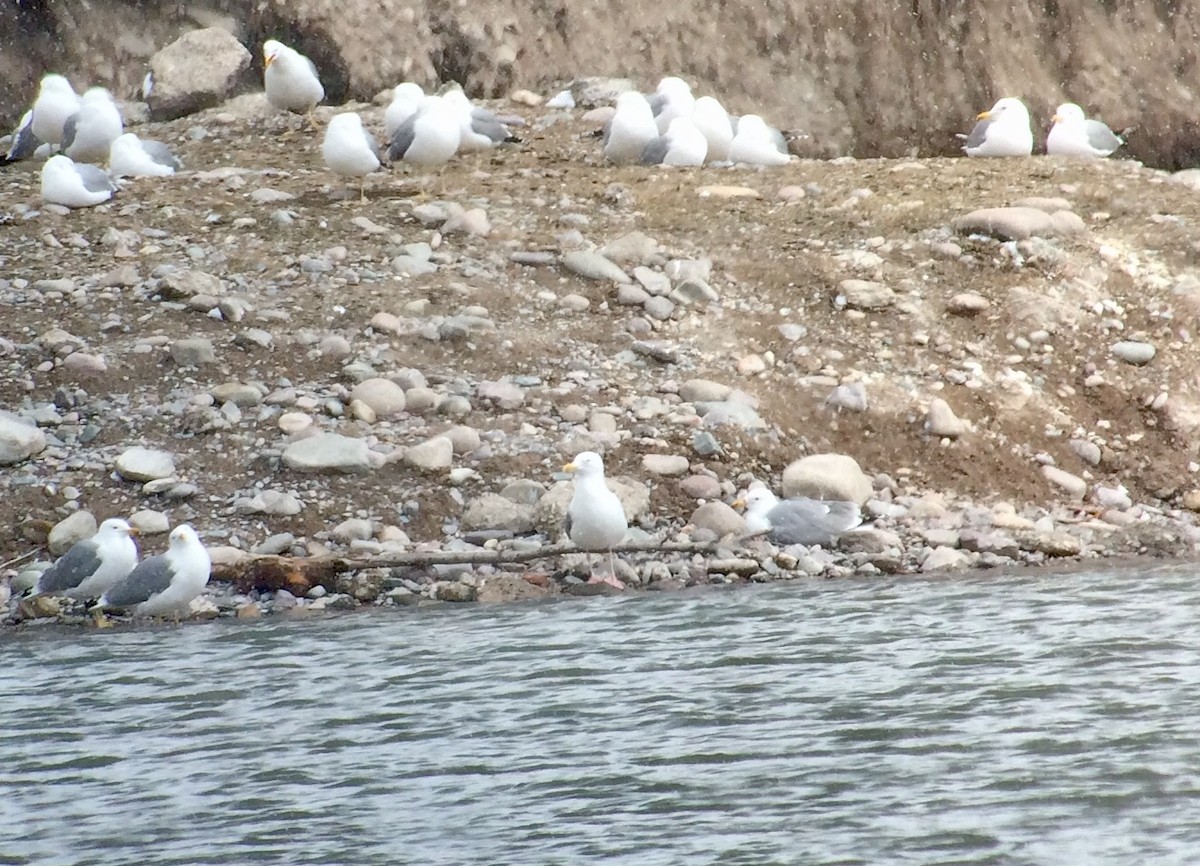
(145,464)
(383,396)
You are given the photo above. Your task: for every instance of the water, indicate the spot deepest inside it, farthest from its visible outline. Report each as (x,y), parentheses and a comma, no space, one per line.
(1031,719)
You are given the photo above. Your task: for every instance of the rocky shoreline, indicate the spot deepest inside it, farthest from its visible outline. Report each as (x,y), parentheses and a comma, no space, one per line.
(247,349)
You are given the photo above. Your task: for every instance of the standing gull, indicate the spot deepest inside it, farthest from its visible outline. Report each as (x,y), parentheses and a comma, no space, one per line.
(797,521)
(89,133)
(1002,130)
(290,79)
(349,150)
(429,137)
(595,518)
(56,101)
(1075,135)
(131,156)
(92,566)
(683,144)
(164,584)
(756,144)
(73,184)
(632,128)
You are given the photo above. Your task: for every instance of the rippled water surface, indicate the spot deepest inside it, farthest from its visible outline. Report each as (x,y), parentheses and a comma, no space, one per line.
(1031,719)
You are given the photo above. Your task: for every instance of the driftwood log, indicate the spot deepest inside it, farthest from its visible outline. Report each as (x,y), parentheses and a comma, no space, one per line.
(300,574)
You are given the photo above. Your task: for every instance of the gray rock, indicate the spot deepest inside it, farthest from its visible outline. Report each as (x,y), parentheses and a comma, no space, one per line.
(1070,484)
(703,391)
(84,364)
(967,304)
(524,491)
(659,309)
(464,439)
(273,502)
(432,455)
(196,71)
(506,395)
(635,248)
(193,352)
(669,465)
(354,529)
(593,266)
(237,393)
(692,292)
(330,452)
(412,266)
(851,396)
(1088,452)
(867,539)
(145,464)
(18,440)
(1051,543)
(700,486)
(71,529)
(941,537)
(718,518)
(1019,223)
(630,295)
(384,397)
(996,543)
(653,282)
(274,545)
(732,414)
(150,522)
(1134,352)
(941,421)
(827,476)
(865,295)
(945,559)
(492,511)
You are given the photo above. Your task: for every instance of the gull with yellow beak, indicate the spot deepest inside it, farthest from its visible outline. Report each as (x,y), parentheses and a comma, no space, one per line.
(290,79)
(595,518)
(797,521)
(1073,134)
(1003,130)
(92,566)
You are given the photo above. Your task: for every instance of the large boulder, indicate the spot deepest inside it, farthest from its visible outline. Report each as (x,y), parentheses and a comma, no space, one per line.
(827,476)
(196,71)
(19,440)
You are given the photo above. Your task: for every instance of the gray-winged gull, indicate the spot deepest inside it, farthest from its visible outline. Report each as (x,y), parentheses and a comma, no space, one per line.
(683,144)
(92,566)
(73,184)
(595,518)
(89,132)
(479,128)
(673,98)
(23,142)
(131,156)
(1073,134)
(349,150)
(406,100)
(631,128)
(1002,130)
(56,101)
(755,143)
(713,121)
(797,521)
(290,79)
(429,137)
(164,584)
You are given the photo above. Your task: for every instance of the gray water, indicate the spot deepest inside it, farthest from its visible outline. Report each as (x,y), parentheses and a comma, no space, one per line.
(1031,719)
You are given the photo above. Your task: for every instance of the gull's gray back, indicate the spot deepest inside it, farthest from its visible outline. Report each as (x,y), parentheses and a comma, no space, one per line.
(151,577)
(94,179)
(1101,137)
(978,134)
(160,153)
(76,565)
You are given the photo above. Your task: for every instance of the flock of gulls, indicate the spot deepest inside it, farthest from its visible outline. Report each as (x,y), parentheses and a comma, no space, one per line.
(105,567)
(670,126)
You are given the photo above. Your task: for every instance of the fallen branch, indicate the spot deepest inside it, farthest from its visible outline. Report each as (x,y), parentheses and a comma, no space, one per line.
(299,574)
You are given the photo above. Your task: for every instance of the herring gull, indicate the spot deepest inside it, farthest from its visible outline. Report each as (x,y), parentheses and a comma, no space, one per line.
(595,518)
(1002,130)
(23,142)
(92,566)
(673,98)
(713,121)
(166,583)
(131,156)
(349,150)
(56,101)
(89,132)
(1073,134)
(683,144)
(479,128)
(797,521)
(429,137)
(632,128)
(756,144)
(290,79)
(71,184)
(406,100)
